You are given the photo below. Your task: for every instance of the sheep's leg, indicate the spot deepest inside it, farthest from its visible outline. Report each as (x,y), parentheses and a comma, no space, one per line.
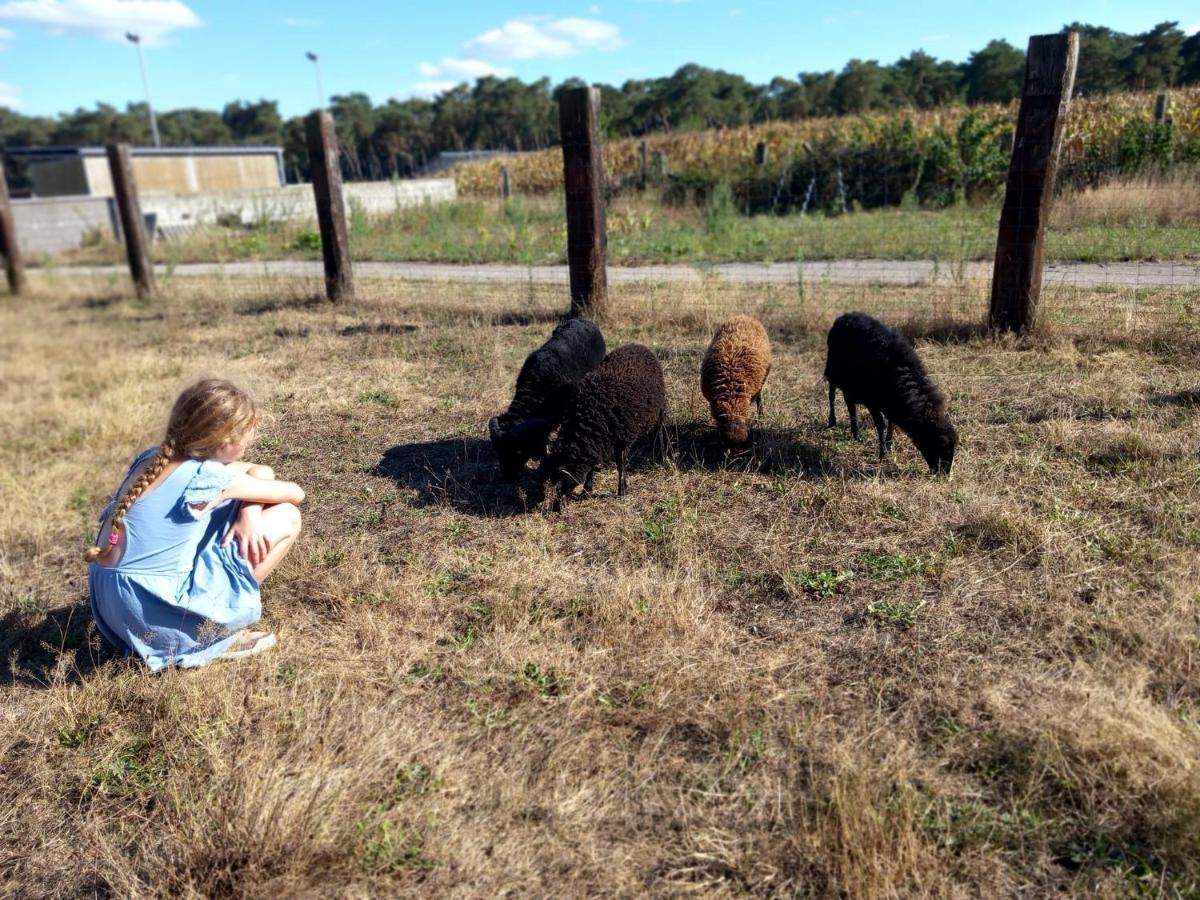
(852,409)
(880,428)
(622,461)
(887,438)
(588,481)
(832,397)
(758,403)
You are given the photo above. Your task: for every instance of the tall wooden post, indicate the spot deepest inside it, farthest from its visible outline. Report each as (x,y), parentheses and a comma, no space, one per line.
(1045,98)
(760,153)
(331,209)
(661,167)
(133,226)
(1160,108)
(505,185)
(642,174)
(14,266)
(587,238)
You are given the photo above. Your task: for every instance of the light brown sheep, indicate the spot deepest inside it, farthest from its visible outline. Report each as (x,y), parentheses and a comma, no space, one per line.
(731,378)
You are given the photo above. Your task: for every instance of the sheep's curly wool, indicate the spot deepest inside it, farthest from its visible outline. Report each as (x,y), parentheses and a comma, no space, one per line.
(613,406)
(732,375)
(878,367)
(544,387)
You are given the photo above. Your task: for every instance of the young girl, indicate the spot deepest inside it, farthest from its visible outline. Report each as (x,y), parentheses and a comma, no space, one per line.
(190,535)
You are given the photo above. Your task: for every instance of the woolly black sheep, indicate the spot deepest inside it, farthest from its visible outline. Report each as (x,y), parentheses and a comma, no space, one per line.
(544,387)
(622,400)
(878,367)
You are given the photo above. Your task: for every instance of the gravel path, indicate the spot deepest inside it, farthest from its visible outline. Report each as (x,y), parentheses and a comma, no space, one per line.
(839,271)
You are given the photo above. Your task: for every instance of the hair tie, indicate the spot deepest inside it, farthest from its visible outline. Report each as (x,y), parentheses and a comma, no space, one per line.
(114,538)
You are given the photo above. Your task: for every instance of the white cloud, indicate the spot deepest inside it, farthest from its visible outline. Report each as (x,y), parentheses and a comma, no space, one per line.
(430,89)
(735,12)
(1193,29)
(10,95)
(5,37)
(594,9)
(463,68)
(533,37)
(109,19)
(294,22)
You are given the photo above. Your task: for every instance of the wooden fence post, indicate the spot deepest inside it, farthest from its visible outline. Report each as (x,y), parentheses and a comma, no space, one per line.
(1160,109)
(14,266)
(1045,99)
(642,174)
(661,167)
(505,187)
(133,225)
(760,153)
(331,210)
(587,238)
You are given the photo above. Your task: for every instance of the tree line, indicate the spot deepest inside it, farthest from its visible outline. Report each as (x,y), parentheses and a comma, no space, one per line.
(399,137)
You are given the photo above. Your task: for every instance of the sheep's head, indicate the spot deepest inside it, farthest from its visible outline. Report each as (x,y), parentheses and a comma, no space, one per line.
(517,440)
(733,420)
(937,442)
(561,474)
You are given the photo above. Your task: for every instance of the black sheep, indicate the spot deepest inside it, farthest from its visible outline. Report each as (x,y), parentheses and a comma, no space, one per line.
(878,367)
(544,387)
(619,402)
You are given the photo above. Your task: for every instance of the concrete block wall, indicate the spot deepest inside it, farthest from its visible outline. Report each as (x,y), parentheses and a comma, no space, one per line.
(53,224)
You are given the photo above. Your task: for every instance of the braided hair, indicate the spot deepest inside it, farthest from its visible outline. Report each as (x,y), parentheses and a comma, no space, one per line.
(207,415)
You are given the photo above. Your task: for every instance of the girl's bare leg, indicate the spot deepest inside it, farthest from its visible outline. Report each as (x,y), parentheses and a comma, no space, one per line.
(281,523)
(266,473)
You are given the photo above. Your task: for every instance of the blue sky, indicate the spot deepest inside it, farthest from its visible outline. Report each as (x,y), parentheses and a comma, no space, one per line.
(57,55)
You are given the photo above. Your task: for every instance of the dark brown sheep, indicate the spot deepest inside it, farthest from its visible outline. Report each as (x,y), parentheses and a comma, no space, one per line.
(733,373)
(616,404)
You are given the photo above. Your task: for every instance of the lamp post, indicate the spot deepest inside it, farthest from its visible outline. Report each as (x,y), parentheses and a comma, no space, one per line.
(316,61)
(136,40)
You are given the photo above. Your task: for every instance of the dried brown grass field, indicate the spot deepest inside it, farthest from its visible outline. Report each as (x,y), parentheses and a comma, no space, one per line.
(1164,199)
(790,673)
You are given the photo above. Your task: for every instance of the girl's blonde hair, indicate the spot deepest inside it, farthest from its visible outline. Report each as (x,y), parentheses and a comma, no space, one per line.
(207,415)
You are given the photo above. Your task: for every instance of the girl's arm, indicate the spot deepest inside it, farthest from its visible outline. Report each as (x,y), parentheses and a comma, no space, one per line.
(261,490)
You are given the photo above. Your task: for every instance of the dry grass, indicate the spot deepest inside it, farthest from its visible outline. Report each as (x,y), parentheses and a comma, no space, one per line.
(1163,199)
(796,673)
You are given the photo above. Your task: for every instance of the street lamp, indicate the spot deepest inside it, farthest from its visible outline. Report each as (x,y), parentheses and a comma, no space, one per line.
(317,66)
(136,40)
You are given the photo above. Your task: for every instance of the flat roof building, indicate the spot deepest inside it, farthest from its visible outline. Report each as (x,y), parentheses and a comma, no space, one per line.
(73,171)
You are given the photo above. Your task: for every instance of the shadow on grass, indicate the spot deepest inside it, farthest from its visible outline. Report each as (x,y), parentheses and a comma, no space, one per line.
(63,641)
(944,331)
(459,313)
(376,328)
(101,302)
(697,445)
(538,317)
(1179,398)
(266,306)
(455,472)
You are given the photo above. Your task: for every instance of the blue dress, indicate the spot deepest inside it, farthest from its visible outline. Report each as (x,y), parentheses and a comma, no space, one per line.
(177,597)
